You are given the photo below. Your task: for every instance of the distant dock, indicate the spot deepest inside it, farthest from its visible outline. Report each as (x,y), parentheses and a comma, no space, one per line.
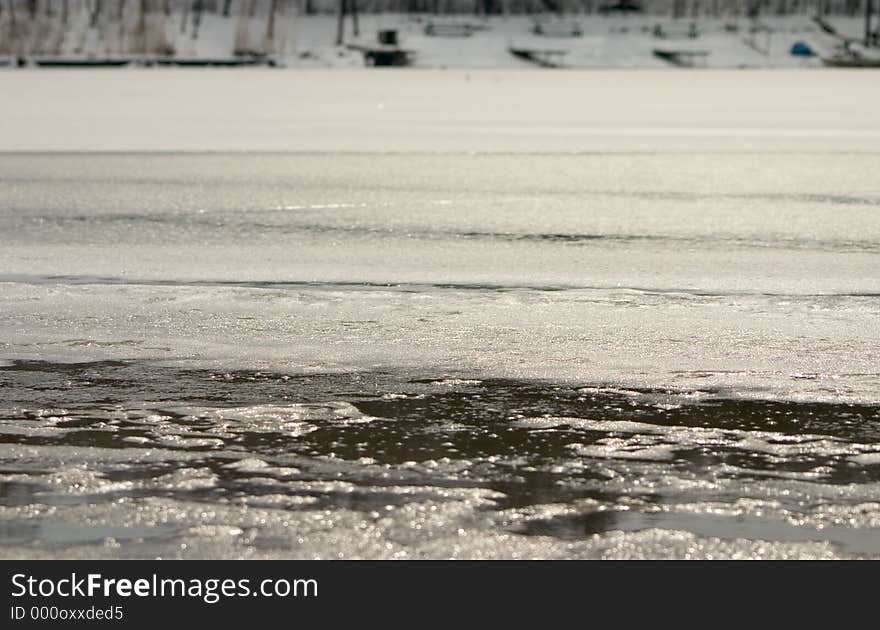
(138,61)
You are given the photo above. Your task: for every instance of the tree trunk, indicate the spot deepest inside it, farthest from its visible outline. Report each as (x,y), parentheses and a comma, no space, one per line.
(868,8)
(96,13)
(142,18)
(270,27)
(340,22)
(678,9)
(65,11)
(227,6)
(185,17)
(198,5)
(753,10)
(354,18)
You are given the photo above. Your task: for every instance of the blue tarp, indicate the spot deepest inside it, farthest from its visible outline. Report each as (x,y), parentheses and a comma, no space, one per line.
(802,49)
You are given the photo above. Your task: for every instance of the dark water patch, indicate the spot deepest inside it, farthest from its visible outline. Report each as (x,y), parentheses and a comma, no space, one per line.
(500,400)
(532,442)
(476,403)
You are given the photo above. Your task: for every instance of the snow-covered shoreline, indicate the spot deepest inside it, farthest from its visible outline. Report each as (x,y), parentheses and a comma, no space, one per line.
(603,42)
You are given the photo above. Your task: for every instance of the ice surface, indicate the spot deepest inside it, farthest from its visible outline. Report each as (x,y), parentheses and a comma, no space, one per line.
(466,324)
(437,111)
(717,270)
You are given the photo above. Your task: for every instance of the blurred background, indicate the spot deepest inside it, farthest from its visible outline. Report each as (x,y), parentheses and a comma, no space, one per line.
(439,33)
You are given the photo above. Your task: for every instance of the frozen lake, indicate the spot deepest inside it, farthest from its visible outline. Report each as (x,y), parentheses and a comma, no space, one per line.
(439,314)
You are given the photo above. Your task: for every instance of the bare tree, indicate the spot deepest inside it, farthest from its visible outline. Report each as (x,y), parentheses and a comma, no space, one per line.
(185,17)
(96,13)
(340,22)
(270,28)
(354,18)
(142,18)
(198,6)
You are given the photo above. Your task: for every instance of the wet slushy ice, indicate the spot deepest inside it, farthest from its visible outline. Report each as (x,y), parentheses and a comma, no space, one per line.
(585,355)
(129,459)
